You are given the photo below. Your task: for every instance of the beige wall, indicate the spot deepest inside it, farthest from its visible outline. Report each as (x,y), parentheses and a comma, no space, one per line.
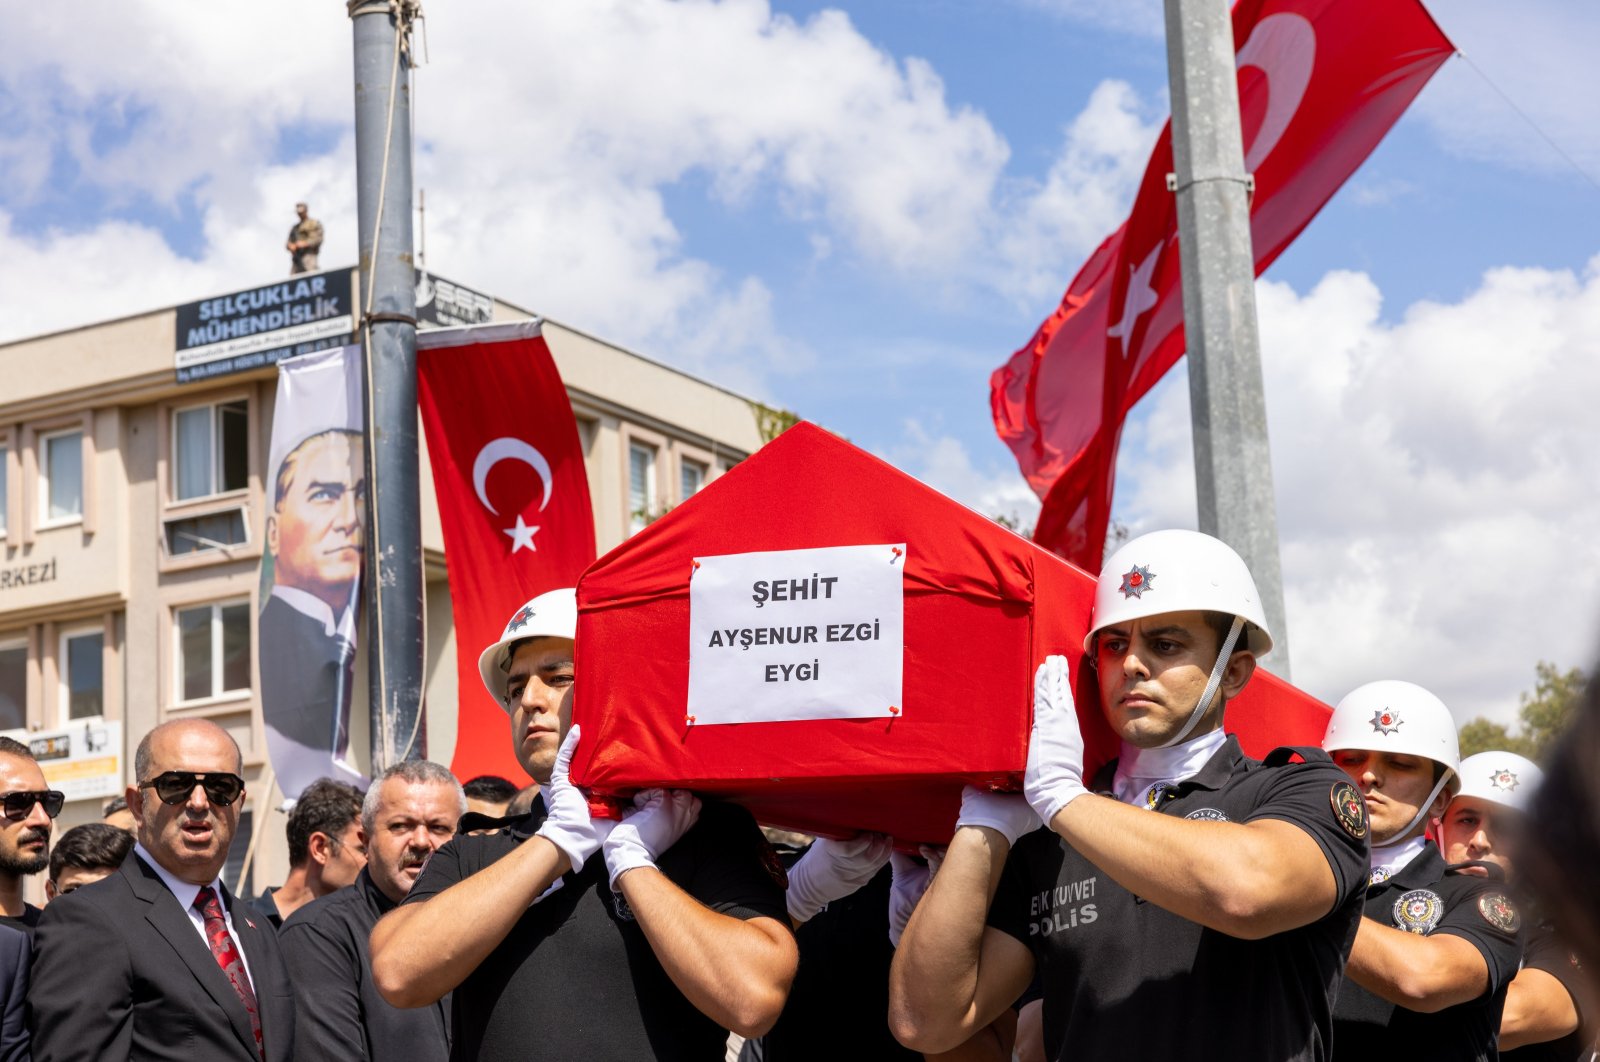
(110,568)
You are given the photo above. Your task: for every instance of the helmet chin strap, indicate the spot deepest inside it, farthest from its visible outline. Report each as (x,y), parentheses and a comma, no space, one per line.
(1422,812)
(1213,685)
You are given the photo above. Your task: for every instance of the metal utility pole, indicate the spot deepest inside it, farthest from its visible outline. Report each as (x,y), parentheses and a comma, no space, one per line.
(387,300)
(1232,462)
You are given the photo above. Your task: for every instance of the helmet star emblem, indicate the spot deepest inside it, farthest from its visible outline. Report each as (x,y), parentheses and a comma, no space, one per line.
(524,614)
(1137,581)
(1504,780)
(1386,721)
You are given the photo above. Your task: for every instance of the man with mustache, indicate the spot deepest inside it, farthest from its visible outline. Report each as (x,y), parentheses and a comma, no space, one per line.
(1483,828)
(25,831)
(1189,902)
(409,812)
(565,937)
(159,960)
(1436,948)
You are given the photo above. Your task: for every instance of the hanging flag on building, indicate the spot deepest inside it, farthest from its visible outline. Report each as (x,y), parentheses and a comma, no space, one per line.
(311,568)
(1320,83)
(513,501)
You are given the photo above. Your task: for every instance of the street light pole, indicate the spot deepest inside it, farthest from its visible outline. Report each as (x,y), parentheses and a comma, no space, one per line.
(1227,403)
(387,301)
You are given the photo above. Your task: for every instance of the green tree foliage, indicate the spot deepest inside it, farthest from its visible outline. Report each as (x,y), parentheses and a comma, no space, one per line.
(1542,715)
(772,422)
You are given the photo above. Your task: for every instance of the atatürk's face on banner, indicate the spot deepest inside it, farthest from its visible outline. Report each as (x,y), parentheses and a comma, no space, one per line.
(314,533)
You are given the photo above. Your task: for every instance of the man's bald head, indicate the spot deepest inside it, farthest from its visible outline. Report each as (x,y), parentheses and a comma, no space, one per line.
(181,731)
(191,837)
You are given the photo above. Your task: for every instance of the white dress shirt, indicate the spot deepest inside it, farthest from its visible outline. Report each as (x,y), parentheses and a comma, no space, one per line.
(185,893)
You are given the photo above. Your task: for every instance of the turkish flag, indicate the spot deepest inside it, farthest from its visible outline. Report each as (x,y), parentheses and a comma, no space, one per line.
(513,501)
(1320,83)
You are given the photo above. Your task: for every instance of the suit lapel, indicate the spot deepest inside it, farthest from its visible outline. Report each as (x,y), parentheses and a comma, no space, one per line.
(173,923)
(249,932)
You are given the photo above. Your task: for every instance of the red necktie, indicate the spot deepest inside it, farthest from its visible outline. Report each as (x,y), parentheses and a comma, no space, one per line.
(227,955)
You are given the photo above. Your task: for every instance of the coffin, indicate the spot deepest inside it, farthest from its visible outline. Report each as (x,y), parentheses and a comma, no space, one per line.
(861,703)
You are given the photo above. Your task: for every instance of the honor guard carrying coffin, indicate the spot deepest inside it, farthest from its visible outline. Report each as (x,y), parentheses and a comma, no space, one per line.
(1542,1018)
(1188,903)
(564,936)
(1437,947)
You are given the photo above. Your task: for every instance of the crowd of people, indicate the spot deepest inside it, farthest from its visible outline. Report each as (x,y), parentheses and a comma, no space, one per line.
(1377,895)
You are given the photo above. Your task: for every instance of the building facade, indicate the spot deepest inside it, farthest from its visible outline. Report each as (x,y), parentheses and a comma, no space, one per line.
(131,515)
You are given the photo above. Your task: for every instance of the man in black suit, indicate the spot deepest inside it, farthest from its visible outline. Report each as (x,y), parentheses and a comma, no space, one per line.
(159,961)
(14,955)
(307,627)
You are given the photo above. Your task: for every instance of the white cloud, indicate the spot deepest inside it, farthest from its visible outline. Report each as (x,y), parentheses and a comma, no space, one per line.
(1432,475)
(944,463)
(1543,59)
(549,136)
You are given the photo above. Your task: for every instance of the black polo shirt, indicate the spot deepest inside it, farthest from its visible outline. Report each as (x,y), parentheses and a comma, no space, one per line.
(1125,979)
(1426,897)
(576,978)
(1549,953)
(341,1017)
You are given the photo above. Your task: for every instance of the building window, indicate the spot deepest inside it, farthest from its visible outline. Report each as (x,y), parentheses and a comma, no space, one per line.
(210,449)
(4,485)
(641,485)
(194,534)
(82,673)
(61,481)
(213,643)
(691,477)
(13,685)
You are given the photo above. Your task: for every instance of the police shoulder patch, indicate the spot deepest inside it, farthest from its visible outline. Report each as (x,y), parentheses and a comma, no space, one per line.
(1349,809)
(1498,910)
(1209,815)
(1418,911)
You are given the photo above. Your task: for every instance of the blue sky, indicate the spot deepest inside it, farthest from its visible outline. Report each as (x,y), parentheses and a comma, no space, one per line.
(857,210)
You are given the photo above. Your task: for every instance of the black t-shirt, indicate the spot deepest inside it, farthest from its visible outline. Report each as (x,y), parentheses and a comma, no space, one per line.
(1125,979)
(340,1016)
(575,978)
(25,921)
(839,1003)
(1428,898)
(1549,953)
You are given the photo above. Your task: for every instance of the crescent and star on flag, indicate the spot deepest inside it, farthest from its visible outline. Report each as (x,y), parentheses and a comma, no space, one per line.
(510,448)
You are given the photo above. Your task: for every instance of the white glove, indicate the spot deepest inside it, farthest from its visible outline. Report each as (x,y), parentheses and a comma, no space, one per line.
(568,825)
(655,822)
(831,870)
(911,879)
(1006,813)
(1054,777)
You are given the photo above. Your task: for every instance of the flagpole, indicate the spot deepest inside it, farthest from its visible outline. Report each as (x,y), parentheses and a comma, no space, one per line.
(387,300)
(1227,402)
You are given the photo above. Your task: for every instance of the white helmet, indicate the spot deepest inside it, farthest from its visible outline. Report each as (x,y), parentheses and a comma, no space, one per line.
(1400,718)
(553,614)
(1181,571)
(1177,571)
(1501,778)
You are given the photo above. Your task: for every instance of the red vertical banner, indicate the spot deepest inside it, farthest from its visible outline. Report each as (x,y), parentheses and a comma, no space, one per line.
(1320,83)
(513,501)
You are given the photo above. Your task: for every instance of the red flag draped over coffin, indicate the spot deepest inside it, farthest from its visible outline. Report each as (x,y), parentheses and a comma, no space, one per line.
(982,607)
(513,501)
(1320,83)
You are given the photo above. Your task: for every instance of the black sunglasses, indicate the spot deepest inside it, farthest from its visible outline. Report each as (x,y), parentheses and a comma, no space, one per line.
(19,805)
(174,787)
